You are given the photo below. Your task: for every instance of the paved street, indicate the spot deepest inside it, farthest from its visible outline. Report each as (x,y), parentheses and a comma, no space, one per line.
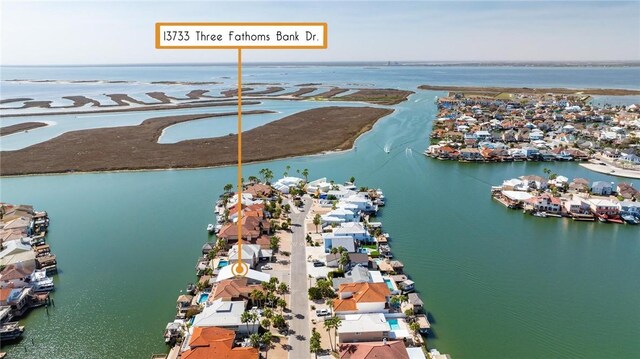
(299,305)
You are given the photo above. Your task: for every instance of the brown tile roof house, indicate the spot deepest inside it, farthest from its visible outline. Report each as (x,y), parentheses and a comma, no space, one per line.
(252,227)
(258,190)
(214,342)
(233,289)
(626,190)
(375,350)
(352,294)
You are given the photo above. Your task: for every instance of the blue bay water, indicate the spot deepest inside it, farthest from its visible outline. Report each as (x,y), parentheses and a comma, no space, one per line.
(497,283)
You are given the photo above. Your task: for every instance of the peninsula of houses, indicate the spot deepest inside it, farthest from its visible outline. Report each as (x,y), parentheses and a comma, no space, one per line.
(579,199)
(501,127)
(314,237)
(26,263)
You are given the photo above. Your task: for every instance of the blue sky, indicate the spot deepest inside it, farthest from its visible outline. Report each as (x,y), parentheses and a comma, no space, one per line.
(101,32)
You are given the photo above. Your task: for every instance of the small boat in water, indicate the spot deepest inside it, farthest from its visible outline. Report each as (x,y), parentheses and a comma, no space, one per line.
(210,228)
(10,331)
(540,214)
(40,282)
(630,219)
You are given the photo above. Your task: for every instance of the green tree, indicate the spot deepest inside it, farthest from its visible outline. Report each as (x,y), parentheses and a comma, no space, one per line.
(352,180)
(332,323)
(316,221)
(286,171)
(266,323)
(257,296)
(228,187)
(315,345)
(282,304)
(344,260)
(248,317)
(255,340)
(305,174)
(274,243)
(278,321)
(267,341)
(283,288)
(253,179)
(415,328)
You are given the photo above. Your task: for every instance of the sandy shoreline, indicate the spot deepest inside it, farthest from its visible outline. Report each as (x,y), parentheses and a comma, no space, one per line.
(136,147)
(611,170)
(529,90)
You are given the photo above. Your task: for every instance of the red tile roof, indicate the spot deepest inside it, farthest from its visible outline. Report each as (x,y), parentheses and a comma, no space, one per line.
(214,342)
(377,350)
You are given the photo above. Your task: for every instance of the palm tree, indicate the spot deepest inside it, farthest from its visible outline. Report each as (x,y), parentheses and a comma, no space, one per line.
(268,175)
(286,171)
(255,296)
(415,328)
(329,303)
(314,343)
(305,174)
(282,304)
(267,341)
(228,187)
(266,324)
(317,220)
(253,179)
(332,323)
(283,288)
(255,340)
(352,180)
(248,317)
(344,260)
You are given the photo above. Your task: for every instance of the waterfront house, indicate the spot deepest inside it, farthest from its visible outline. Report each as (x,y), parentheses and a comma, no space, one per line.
(258,190)
(252,228)
(213,342)
(534,182)
(514,184)
(286,183)
(626,190)
(470,154)
(577,205)
(253,276)
(362,201)
(628,207)
(16,275)
(579,185)
(362,298)
(235,289)
(17,298)
(385,349)
(225,314)
(251,254)
(602,188)
(363,328)
(15,252)
(336,241)
(358,274)
(333,260)
(356,230)
(340,215)
(603,207)
(318,186)
(545,203)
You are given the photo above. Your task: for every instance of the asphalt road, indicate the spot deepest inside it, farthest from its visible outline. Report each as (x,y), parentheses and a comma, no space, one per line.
(299,325)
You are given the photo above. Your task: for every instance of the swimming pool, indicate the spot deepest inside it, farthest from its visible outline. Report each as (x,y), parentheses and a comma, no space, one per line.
(387,281)
(393,323)
(203,298)
(223,263)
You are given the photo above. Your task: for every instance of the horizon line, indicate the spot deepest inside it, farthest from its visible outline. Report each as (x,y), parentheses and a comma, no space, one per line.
(555,63)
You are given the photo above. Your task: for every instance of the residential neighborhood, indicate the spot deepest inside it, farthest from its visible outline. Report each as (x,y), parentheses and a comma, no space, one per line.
(321,280)
(535,127)
(26,267)
(579,199)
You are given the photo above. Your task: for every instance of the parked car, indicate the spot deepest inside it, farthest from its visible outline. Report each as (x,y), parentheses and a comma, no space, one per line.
(322,312)
(266,267)
(318,264)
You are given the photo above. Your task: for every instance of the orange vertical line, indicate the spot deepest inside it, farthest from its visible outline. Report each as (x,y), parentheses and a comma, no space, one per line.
(239,204)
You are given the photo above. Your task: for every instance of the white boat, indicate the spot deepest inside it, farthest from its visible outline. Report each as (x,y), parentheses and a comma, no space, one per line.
(210,228)
(540,214)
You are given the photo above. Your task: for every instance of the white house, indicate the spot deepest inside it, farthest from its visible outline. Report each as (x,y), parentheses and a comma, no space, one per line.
(361,298)
(341,193)
(284,184)
(363,328)
(577,205)
(355,230)
(226,315)
(362,201)
(603,206)
(251,254)
(340,215)
(333,241)
(319,185)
